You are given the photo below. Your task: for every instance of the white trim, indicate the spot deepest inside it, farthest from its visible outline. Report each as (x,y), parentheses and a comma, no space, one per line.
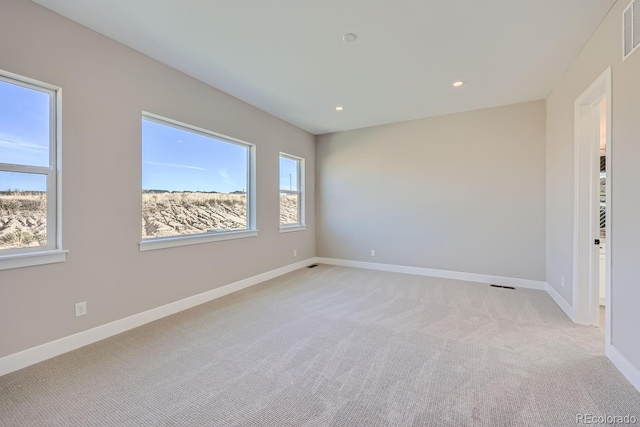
(290,228)
(191,128)
(252,192)
(445,274)
(28,82)
(608,212)
(603,301)
(52,186)
(630,372)
(562,303)
(586,189)
(58,169)
(31,356)
(36,170)
(195,239)
(29,259)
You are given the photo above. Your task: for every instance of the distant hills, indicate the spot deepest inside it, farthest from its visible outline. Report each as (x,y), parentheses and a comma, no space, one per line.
(154,191)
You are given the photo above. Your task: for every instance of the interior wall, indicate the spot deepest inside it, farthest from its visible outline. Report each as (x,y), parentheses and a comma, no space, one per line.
(603,50)
(105,87)
(463,192)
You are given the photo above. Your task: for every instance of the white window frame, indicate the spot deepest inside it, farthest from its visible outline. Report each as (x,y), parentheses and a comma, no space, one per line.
(301,225)
(51,252)
(211,236)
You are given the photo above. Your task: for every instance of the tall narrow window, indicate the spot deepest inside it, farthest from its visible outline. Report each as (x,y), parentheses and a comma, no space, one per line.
(28,168)
(291,192)
(194,183)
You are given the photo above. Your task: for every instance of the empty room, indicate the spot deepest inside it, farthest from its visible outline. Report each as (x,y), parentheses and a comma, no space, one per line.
(338,213)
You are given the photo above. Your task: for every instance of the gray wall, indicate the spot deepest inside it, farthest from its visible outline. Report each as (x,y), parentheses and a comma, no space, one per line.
(602,51)
(105,88)
(463,192)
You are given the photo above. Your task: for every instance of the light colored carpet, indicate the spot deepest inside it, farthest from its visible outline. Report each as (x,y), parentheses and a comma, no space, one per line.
(334,346)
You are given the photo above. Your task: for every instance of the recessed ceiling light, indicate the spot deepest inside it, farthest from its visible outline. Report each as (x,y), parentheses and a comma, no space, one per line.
(458,84)
(350,37)
(338,108)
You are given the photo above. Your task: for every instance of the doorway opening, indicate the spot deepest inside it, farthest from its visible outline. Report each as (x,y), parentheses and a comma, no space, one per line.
(592,206)
(602,256)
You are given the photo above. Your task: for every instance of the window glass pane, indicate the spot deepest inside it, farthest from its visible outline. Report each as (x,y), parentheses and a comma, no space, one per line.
(191,184)
(289,209)
(288,174)
(23,210)
(24,125)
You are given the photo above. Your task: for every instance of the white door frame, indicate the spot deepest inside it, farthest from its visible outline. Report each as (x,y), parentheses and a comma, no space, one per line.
(587,204)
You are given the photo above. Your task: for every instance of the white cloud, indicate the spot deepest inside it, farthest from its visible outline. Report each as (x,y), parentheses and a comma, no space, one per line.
(17,144)
(175,165)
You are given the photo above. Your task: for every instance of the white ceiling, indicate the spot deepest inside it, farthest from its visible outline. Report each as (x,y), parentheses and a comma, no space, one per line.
(287,57)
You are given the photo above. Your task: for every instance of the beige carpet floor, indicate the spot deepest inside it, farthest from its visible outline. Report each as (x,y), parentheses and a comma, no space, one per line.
(334,346)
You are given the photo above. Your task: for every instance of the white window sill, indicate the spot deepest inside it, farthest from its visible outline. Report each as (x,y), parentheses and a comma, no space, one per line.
(290,228)
(172,242)
(29,259)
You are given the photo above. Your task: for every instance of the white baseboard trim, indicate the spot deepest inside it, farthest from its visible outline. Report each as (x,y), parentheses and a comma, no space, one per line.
(34,355)
(562,303)
(445,274)
(629,371)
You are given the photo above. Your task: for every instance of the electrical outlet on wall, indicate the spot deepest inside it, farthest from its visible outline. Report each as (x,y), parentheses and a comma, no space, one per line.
(295,252)
(81,308)
(373,252)
(562,282)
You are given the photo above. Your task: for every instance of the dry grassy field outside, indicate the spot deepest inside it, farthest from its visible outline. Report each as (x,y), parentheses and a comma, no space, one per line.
(23,219)
(23,215)
(174,214)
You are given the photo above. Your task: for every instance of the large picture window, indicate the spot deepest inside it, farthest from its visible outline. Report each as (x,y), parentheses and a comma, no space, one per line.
(28,169)
(291,192)
(195,183)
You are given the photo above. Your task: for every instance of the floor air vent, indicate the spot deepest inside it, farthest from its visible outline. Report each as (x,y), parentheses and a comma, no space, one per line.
(503,287)
(313,265)
(630,29)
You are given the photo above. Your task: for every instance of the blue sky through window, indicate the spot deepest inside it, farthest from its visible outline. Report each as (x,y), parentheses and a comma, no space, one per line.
(288,174)
(174,159)
(24,135)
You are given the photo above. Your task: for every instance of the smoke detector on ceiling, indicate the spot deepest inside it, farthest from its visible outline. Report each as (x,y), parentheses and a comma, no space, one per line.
(350,37)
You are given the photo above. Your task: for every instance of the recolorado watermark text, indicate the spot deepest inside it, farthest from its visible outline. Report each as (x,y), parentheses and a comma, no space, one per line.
(606,419)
